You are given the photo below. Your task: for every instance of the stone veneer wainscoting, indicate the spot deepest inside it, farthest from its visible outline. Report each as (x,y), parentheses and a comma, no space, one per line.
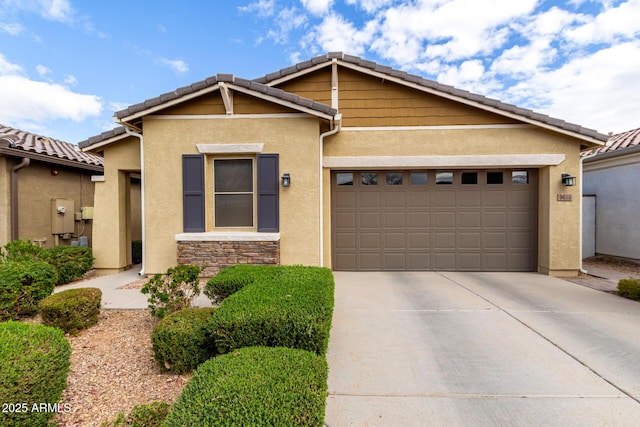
(216,255)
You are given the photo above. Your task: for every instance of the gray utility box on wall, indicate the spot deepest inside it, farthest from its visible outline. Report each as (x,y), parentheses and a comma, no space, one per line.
(62,216)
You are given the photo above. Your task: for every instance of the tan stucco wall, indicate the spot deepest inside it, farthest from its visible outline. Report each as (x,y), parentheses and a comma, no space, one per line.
(294,139)
(112,216)
(5,200)
(36,188)
(558,230)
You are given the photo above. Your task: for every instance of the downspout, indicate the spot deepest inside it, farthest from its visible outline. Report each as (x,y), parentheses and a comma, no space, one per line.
(142,209)
(582,159)
(14,196)
(336,129)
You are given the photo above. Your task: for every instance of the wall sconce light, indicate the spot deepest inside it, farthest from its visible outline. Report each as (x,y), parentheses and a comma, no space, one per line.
(286,180)
(568,180)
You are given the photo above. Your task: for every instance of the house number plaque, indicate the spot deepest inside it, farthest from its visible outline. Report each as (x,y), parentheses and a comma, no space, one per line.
(564,197)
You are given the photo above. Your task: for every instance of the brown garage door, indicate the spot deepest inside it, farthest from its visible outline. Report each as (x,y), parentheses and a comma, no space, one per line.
(435,220)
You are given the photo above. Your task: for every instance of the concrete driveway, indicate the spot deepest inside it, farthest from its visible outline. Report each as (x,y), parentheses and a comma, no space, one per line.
(466,349)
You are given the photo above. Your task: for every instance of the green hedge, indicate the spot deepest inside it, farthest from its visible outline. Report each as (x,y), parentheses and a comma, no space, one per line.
(181,340)
(22,285)
(71,262)
(148,415)
(256,386)
(34,363)
(230,280)
(629,288)
(71,310)
(292,308)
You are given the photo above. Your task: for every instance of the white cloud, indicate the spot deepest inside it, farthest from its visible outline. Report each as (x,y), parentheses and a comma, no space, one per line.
(24,99)
(42,70)
(70,80)
(620,21)
(370,6)
(52,10)
(12,28)
(456,29)
(7,67)
(317,7)
(177,65)
(263,7)
(288,20)
(598,91)
(337,34)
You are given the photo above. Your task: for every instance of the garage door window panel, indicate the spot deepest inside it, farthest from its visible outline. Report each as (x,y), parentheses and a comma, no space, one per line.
(444,178)
(418,179)
(394,178)
(369,178)
(495,178)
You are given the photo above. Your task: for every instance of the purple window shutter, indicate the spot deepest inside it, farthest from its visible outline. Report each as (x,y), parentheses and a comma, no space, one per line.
(193,193)
(268,203)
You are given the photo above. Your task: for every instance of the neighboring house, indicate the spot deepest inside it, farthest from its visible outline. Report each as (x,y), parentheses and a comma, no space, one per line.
(46,193)
(345,163)
(611,179)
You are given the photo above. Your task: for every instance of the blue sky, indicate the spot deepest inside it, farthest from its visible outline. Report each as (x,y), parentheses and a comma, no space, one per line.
(67,65)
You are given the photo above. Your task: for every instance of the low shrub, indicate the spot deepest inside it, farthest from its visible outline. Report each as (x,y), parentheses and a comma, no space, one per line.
(136,251)
(256,386)
(33,371)
(181,340)
(22,285)
(290,309)
(629,288)
(21,250)
(149,415)
(71,262)
(230,280)
(172,291)
(71,310)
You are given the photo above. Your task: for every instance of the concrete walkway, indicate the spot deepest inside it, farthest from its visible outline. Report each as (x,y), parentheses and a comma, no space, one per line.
(480,349)
(113,297)
(602,279)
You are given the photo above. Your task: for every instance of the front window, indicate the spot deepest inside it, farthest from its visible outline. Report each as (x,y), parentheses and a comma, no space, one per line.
(233,192)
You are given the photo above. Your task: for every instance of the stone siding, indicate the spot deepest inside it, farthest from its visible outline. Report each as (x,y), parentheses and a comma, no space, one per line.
(216,255)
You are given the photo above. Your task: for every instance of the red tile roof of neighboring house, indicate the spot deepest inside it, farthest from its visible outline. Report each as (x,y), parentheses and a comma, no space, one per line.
(618,144)
(21,143)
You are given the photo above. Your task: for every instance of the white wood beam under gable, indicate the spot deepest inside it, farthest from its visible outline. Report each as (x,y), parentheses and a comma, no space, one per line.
(227,97)
(334,83)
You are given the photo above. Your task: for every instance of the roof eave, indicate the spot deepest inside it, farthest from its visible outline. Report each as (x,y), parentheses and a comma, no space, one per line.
(16,152)
(615,153)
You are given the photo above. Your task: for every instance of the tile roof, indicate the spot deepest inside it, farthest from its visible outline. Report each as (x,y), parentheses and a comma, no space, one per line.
(21,141)
(432,85)
(618,143)
(102,137)
(251,85)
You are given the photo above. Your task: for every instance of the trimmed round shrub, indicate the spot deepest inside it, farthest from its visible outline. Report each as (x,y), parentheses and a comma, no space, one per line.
(291,309)
(34,363)
(21,250)
(629,288)
(230,280)
(22,285)
(71,262)
(71,310)
(255,386)
(181,341)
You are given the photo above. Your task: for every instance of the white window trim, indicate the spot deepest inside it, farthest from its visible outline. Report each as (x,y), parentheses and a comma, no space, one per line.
(229,148)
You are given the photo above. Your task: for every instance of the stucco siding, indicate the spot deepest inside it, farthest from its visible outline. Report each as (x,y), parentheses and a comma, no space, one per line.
(294,139)
(112,211)
(614,182)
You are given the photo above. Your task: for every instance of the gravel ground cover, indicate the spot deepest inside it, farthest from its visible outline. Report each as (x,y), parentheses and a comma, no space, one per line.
(112,369)
(612,263)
